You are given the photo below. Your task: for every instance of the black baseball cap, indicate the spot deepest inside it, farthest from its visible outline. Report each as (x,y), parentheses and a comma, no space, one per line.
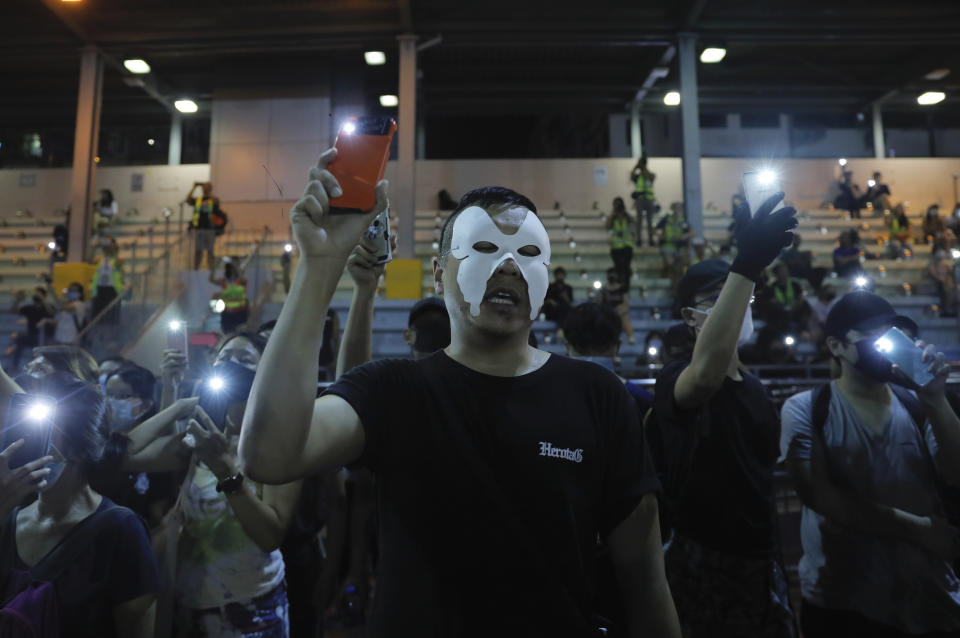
(864,311)
(699,278)
(426,305)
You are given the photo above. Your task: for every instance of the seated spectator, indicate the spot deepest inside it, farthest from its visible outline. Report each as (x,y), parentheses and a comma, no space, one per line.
(899,227)
(72,360)
(110,581)
(559,297)
(846,257)
(878,195)
(866,456)
(614,295)
(36,314)
(786,308)
(942,269)
(673,233)
(933,224)
(800,263)
(850,197)
(428,327)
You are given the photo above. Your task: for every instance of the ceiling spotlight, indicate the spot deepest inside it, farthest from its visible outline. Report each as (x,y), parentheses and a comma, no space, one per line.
(389,100)
(374,58)
(937,74)
(842,161)
(672,98)
(930,97)
(186,106)
(136,65)
(151,142)
(712,54)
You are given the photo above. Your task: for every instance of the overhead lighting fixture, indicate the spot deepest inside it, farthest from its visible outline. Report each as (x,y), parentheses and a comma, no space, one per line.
(930,97)
(136,65)
(186,106)
(937,74)
(842,161)
(389,100)
(672,98)
(711,55)
(151,141)
(375,58)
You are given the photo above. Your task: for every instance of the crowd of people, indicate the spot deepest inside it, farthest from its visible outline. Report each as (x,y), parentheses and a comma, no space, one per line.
(483,486)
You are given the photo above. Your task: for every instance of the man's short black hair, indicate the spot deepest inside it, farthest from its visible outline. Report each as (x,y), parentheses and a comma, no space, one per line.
(559,270)
(487,198)
(592,329)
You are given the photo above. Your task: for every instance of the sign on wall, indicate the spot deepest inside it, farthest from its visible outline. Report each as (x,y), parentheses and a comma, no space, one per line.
(28,180)
(600,176)
(136,183)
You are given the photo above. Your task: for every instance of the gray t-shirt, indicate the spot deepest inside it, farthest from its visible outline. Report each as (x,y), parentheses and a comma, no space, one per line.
(890,581)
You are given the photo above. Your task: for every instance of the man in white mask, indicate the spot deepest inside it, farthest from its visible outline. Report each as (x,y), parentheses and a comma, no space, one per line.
(497,464)
(714,435)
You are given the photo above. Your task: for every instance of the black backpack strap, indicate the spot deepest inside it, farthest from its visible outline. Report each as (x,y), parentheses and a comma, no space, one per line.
(74,544)
(820,408)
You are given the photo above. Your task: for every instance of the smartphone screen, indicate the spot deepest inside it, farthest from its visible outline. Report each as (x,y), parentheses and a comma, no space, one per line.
(29,417)
(901,351)
(214,403)
(759,186)
(379,233)
(363,148)
(177,337)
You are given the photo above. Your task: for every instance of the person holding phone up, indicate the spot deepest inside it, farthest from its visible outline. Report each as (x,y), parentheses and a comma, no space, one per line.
(871,460)
(489,510)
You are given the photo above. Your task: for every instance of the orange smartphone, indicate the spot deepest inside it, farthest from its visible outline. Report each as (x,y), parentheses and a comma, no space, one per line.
(363,148)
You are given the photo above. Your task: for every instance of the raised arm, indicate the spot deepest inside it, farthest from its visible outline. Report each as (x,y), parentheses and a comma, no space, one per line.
(287,433)
(189,198)
(943,420)
(759,241)
(637,556)
(355,348)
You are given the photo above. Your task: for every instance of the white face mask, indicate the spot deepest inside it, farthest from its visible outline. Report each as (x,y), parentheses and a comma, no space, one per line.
(746,328)
(474,225)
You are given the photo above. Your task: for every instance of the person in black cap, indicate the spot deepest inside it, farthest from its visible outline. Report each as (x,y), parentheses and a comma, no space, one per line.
(714,435)
(868,459)
(428,327)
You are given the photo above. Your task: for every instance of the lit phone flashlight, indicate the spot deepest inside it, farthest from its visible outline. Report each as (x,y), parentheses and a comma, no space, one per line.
(652,351)
(900,350)
(789,340)
(759,186)
(177,338)
(871,183)
(29,417)
(860,281)
(213,400)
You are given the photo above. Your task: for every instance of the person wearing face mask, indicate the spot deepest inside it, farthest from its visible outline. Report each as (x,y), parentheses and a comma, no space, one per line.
(714,431)
(498,465)
(229,569)
(108,587)
(35,315)
(868,457)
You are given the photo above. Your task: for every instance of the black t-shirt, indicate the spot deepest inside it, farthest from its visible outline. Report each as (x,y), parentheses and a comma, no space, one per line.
(728,497)
(492,491)
(34,314)
(118,567)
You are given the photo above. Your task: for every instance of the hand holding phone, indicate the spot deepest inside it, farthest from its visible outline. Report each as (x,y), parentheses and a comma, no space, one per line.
(178,339)
(30,419)
(900,350)
(363,148)
(759,186)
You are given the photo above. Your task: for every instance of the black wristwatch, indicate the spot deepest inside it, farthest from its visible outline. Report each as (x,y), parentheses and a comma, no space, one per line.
(231,484)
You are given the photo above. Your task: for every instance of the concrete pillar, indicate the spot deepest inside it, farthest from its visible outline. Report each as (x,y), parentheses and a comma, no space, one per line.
(879,147)
(690,127)
(403,190)
(86,136)
(636,141)
(176,139)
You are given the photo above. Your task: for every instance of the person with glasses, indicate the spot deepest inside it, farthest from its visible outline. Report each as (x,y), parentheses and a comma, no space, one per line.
(714,434)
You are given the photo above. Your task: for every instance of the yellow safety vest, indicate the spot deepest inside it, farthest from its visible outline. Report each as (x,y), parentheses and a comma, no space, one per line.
(895,228)
(672,230)
(116,274)
(644,186)
(621,235)
(787,298)
(234,296)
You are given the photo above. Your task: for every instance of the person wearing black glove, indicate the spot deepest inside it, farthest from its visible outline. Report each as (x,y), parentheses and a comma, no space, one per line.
(715,435)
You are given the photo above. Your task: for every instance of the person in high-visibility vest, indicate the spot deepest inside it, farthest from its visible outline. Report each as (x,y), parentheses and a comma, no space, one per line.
(900,233)
(233,293)
(646,205)
(108,281)
(620,226)
(674,233)
(786,307)
(205,224)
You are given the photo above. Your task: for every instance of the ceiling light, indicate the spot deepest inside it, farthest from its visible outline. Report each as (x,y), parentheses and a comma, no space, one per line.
(842,161)
(151,141)
(937,74)
(930,97)
(712,54)
(186,106)
(672,98)
(389,100)
(375,58)
(136,65)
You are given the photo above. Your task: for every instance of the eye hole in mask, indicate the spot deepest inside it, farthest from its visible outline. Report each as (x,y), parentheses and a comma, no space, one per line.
(529,251)
(485,247)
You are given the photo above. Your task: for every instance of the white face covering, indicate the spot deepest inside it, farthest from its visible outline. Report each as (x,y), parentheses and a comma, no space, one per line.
(746,328)
(474,225)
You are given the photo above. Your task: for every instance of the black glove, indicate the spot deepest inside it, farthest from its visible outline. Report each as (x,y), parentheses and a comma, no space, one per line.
(760,239)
